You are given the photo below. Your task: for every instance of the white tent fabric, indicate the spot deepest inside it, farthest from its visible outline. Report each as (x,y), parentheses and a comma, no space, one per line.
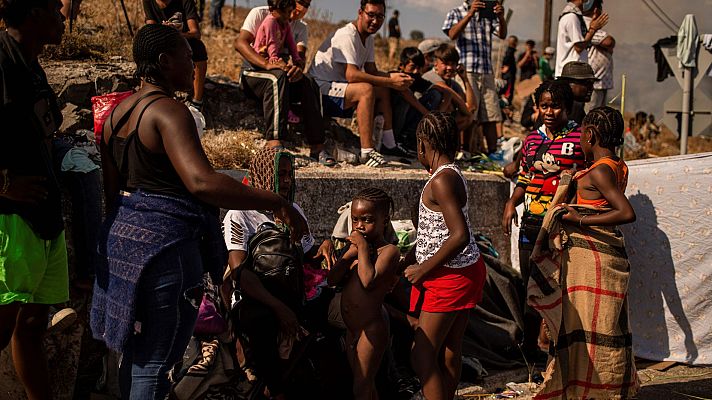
(670,252)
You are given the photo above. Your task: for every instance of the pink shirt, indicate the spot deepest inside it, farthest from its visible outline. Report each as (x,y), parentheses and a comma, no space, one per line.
(271,37)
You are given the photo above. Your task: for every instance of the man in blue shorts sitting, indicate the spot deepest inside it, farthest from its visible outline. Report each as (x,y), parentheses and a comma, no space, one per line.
(345,70)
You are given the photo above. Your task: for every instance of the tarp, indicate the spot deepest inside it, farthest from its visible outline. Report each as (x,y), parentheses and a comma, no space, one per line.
(670,252)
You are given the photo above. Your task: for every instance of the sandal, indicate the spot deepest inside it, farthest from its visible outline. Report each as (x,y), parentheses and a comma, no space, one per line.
(293,118)
(324,158)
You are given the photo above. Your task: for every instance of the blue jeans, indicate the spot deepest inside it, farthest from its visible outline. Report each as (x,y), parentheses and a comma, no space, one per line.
(216,13)
(85,191)
(168,296)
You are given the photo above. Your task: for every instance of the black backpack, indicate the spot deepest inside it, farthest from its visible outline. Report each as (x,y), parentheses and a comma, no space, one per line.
(277,262)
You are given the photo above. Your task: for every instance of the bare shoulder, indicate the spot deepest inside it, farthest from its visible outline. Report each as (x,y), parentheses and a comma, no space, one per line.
(170,112)
(389,253)
(602,173)
(446,183)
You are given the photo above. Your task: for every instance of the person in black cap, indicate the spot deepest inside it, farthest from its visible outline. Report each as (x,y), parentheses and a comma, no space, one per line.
(580,76)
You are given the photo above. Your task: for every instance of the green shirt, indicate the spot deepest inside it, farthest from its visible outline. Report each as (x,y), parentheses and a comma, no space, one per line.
(545,71)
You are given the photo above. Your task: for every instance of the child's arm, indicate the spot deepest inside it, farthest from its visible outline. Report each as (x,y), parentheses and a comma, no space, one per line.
(342,267)
(292,46)
(412,101)
(368,273)
(453,95)
(603,179)
(449,193)
(470,98)
(271,31)
(510,208)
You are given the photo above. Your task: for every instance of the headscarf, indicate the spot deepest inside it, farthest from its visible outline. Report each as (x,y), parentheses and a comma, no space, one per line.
(264,170)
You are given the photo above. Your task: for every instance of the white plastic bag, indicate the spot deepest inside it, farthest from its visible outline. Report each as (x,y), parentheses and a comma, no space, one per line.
(199,120)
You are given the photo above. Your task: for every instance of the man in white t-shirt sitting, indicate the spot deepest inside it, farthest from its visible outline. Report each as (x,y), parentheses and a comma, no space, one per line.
(573,39)
(345,70)
(279,85)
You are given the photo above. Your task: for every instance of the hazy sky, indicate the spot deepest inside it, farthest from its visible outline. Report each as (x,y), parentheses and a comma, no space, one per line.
(633,25)
(631,21)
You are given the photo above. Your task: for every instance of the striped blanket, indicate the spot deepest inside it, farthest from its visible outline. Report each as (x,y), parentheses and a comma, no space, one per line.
(579,286)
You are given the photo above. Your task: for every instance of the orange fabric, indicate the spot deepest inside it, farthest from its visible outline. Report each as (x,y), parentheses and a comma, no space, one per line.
(619,168)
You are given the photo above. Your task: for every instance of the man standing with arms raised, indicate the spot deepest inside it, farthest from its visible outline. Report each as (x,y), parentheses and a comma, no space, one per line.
(573,38)
(472,25)
(345,69)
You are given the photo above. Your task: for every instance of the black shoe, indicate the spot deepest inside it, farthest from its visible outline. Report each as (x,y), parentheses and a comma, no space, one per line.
(397,151)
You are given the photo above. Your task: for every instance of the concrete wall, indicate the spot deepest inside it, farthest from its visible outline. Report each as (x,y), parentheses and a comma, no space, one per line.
(321,194)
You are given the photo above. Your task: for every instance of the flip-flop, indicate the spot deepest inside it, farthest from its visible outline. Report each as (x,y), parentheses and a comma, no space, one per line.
(293,118)
(324,158)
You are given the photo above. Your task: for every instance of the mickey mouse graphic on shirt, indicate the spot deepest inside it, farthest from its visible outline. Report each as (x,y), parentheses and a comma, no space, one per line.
(550,168)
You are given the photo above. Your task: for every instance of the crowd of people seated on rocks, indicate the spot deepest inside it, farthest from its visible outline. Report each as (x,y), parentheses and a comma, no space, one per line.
(381,312)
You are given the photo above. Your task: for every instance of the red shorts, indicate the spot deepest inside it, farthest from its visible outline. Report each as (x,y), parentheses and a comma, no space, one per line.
(450,289)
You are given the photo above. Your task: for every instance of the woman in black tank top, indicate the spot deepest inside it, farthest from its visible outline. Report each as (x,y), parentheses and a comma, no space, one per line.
(160,189)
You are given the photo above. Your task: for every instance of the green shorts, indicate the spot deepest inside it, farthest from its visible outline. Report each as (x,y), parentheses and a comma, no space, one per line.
(32,270)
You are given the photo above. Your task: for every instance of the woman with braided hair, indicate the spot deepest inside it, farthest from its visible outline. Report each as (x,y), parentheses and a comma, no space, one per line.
(162,231)
(549,150)
(582,273)
(450,274)
(265,316)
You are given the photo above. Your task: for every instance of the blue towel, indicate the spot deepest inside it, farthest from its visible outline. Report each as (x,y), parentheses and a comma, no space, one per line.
(143,226)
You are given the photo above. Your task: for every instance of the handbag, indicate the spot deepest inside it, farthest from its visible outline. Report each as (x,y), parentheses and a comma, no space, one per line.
(209,322)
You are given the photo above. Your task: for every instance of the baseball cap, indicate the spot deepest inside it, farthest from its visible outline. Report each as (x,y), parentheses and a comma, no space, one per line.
(578,70)
(549,50)
(429,45)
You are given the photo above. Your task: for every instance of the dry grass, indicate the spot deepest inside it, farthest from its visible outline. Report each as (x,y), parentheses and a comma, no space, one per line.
(100,33)
(229,149)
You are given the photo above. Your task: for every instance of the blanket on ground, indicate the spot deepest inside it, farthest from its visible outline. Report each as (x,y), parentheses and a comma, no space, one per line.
(579,286)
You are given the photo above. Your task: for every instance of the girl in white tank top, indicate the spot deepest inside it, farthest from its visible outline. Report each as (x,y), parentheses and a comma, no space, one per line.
(449,275)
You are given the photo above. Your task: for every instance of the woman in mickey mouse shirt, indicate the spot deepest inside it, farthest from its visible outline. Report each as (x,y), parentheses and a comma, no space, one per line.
(552,148)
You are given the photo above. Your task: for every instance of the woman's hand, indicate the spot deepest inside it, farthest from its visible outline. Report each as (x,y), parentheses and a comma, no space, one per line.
(572,215)
(326,250)
(509,216)
(290,216)
(414,274)
(356,238)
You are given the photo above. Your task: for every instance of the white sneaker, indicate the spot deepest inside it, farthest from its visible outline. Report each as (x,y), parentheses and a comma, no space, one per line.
(374,159)
(463,155)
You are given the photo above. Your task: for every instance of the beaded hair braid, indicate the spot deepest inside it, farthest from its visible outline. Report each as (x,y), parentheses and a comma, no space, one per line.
(607,124)
(560,93)
(150,41)
(377,196)
(440,130)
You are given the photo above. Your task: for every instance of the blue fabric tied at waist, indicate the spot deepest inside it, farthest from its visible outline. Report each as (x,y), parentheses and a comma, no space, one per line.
(143,226)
